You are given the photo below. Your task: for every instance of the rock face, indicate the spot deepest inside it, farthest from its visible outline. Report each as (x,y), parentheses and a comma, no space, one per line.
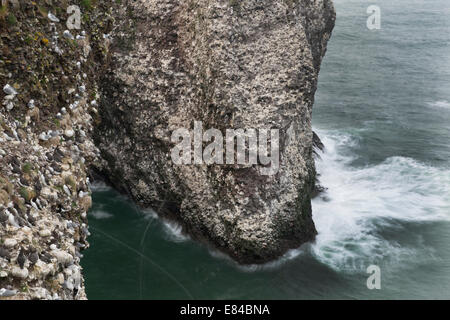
(46,146)
(229,64)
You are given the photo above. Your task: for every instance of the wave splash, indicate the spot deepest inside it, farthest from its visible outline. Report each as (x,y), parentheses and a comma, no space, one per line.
(173,231)
(362,202)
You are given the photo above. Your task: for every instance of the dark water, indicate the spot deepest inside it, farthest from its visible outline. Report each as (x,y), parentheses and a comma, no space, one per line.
(383,112)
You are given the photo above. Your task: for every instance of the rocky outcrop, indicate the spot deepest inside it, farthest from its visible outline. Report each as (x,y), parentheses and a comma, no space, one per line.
(229,65)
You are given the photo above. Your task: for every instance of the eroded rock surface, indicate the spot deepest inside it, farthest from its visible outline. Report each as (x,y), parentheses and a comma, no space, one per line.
(48,91)
(229,64)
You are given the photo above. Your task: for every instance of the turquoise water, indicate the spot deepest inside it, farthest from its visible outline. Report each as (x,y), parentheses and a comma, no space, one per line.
(383,112)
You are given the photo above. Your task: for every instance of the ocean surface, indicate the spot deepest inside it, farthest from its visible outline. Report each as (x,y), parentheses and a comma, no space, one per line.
(383,112)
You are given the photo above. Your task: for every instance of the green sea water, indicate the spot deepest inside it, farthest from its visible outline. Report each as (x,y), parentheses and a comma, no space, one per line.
(383,112)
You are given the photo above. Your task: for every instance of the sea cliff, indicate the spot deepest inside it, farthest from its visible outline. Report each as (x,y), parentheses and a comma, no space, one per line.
(105,98)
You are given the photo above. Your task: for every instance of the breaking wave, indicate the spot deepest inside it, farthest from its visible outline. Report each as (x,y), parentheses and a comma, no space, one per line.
(362,202)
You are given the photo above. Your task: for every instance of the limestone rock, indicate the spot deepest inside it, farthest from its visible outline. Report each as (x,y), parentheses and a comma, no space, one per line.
(250,64)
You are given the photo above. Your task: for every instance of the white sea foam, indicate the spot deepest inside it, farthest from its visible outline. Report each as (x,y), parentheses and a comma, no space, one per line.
(288,256)
(100,186)
(440,104)
(173,231)
(100,214)
(360,200)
